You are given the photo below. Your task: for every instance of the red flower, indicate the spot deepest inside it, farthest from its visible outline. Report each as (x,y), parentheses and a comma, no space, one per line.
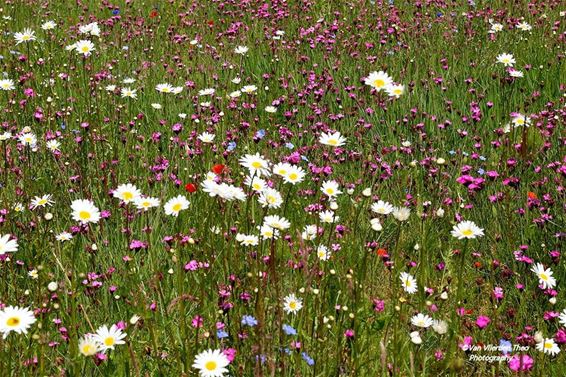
(154,13)
(532,195)
(218,168)
(191,187)
(381,252)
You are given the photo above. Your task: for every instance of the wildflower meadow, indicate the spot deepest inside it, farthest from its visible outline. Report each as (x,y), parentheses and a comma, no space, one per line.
(282,188)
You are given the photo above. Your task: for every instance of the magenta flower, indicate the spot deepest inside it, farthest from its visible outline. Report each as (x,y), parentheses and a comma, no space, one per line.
(197,321)
(560,336)
(466,343)
(482,321)
(378,305)
(230,353)
(498,293)
(520,363)
(137,245)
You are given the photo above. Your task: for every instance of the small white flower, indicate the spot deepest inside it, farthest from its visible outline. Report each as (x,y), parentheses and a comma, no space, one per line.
(548,346)
(292,304)
(206,137)
(421,320)
(241,50)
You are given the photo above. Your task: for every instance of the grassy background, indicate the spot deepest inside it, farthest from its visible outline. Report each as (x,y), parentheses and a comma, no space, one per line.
(316,72)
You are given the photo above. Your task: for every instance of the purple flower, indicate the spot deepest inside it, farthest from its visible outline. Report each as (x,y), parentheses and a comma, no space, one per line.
(137,245)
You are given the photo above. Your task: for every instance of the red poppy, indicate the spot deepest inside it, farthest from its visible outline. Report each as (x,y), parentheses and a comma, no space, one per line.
(381,252)
(191,187)
(218,168)
(154,13)
(532,195)
(210,23)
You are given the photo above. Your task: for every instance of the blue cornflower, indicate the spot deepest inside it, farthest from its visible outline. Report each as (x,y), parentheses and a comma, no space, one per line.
(231,146)
(289,145)
(260,134)
(505,346)
(248,320)
(221,334)
(289,330)
(481,171)
(116,12)
(307,358)
(452,152)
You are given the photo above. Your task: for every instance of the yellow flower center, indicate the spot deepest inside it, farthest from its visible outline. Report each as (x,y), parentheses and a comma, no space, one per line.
(548,345)
(256,164)
(13,321)
(87,349)
(127,196)
(177,207)
(378,83)
(109,341)
(330,191)
(293,305)
(210,365)
(85,49)
(293,176)
(84,215)
(467,232)
(543,276)
(332,141)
